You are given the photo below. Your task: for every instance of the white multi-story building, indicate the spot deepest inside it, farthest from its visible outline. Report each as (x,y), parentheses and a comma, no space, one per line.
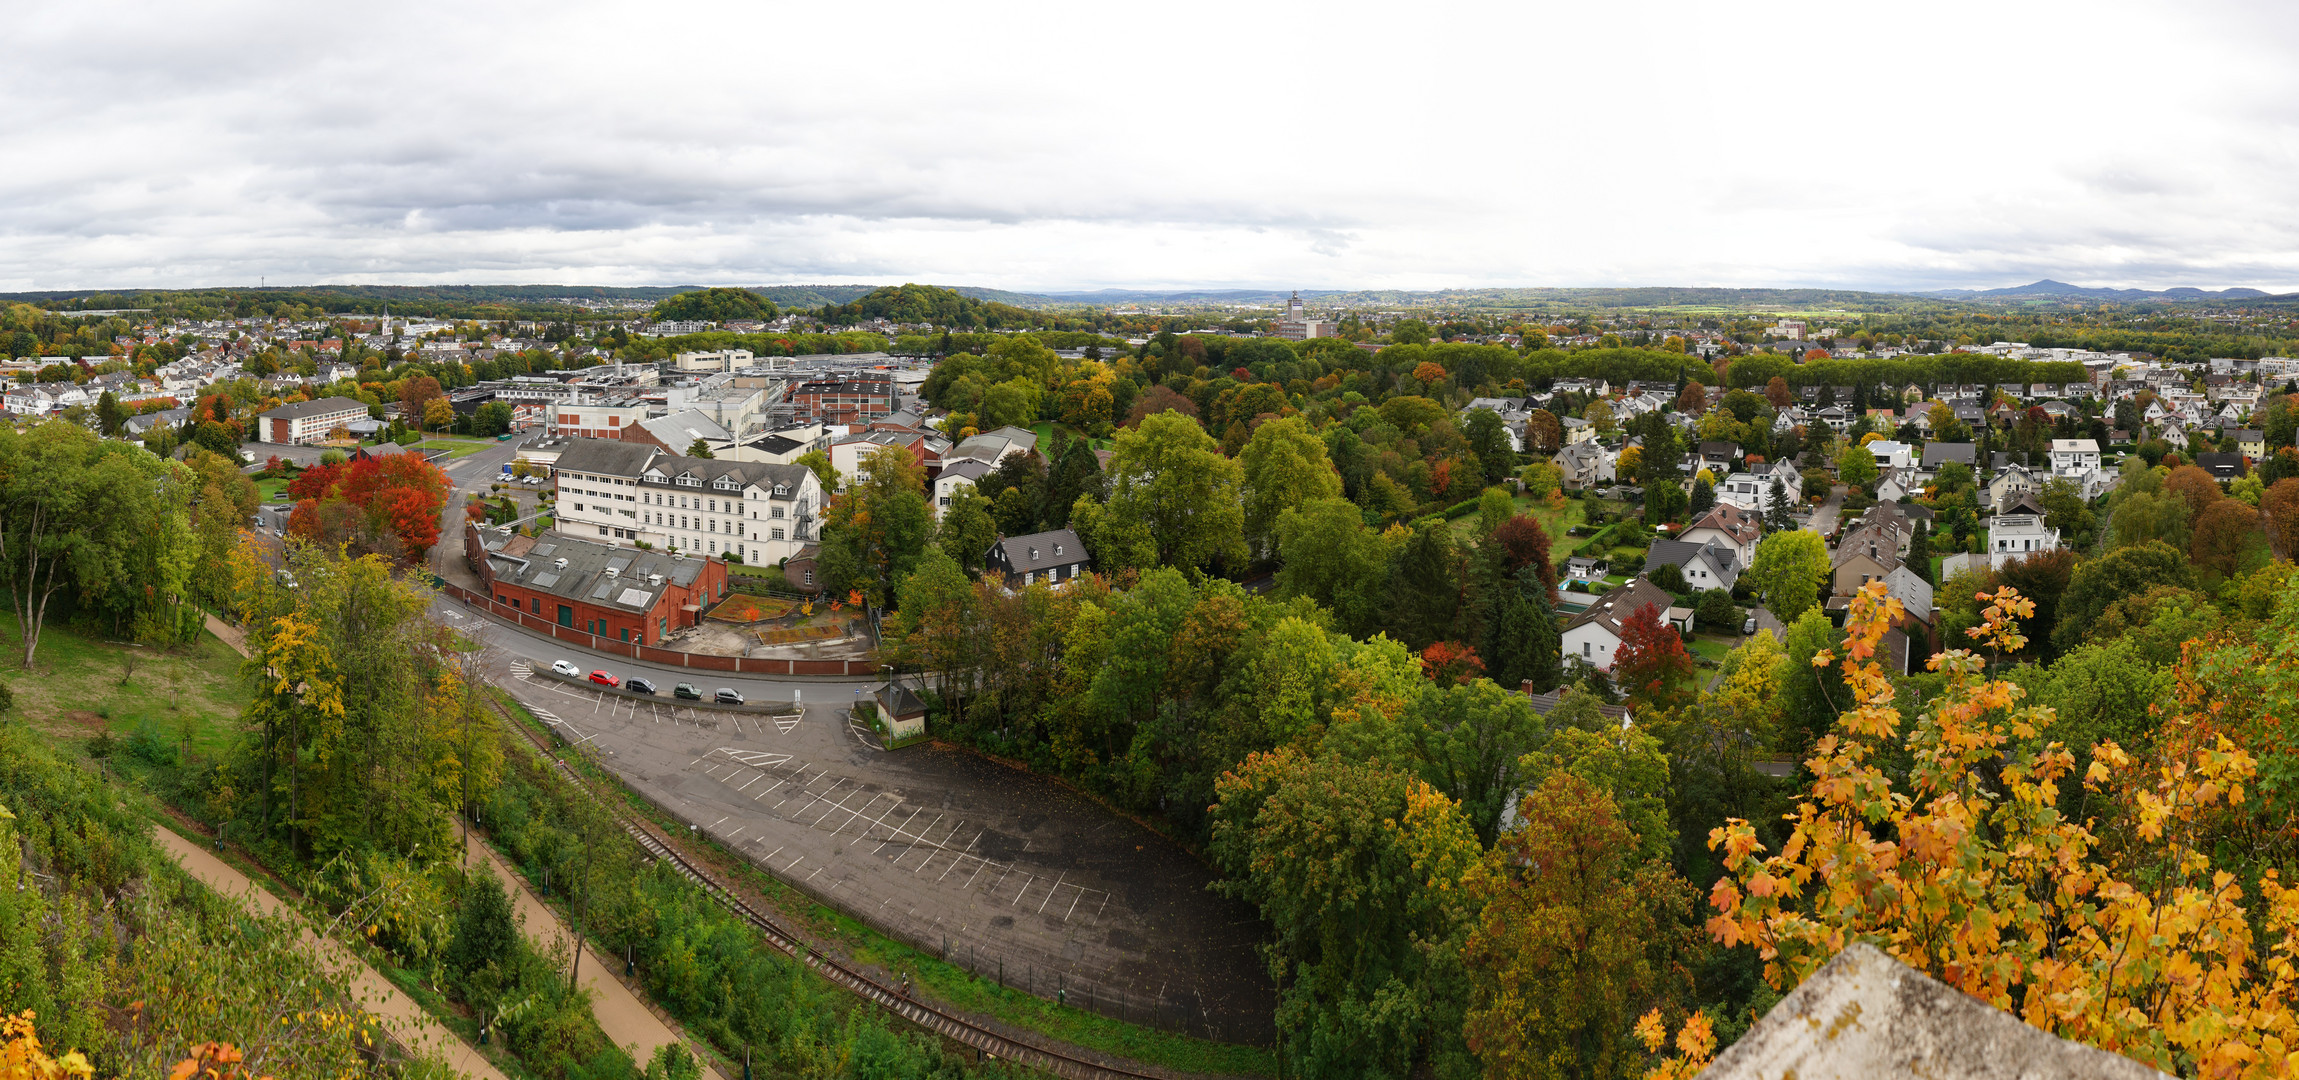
(306,422)
(2074,457)
(2018,535)
(628,492)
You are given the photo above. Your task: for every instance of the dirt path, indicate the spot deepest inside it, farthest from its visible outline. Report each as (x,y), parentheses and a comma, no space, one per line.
(400,1015)
(626,1020)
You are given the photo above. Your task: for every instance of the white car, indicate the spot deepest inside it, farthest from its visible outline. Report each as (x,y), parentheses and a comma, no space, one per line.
(564,668)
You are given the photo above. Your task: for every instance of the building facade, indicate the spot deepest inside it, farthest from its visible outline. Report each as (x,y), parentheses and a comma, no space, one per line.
(619,593)
(306,422)
(857,400)
(630,492)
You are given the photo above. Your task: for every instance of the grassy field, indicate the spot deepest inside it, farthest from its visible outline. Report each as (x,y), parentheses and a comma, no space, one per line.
(1553,519)
(81,685)
(452,446)
(1046,440)
(1711,647)
(272,487)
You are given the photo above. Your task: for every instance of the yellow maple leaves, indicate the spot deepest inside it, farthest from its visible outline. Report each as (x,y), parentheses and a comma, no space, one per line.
(1967,870)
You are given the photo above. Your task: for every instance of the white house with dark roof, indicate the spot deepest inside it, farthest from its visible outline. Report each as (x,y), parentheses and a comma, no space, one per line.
(1594,635)
(1054,557)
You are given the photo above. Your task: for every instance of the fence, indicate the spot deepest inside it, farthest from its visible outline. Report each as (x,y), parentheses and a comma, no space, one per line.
(739,665)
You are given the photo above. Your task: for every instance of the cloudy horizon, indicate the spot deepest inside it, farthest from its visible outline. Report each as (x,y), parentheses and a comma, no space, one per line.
(1038,148)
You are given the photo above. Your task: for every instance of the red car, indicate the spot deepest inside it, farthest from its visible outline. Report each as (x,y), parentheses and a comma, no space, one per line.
(604,679)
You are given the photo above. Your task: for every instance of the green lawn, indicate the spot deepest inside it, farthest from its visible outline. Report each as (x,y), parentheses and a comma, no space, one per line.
(82,684)
(272,487)
(1553,519)
(1046,439)
(453,447)
(1710,647)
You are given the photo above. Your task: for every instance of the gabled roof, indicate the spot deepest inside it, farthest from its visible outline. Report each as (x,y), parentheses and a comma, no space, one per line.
(1612,609)
(1731,520)
(1679,553)
(1041,551)
(1940,453)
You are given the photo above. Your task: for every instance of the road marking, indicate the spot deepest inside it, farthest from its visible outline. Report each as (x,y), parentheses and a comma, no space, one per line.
(865,834)
(1050,893)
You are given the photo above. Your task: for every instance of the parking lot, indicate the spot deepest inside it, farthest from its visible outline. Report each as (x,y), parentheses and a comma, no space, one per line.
(1000,871)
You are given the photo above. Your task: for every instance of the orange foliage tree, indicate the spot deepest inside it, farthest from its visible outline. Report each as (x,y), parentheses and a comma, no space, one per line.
(1968,871)
(375,504)
(1651,665)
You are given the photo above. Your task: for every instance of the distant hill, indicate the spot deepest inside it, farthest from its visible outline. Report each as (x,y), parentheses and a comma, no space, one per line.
(2047,289)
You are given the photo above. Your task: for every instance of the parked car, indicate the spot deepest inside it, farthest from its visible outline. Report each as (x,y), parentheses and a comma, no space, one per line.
(567,669)
(604,679)
(1748,628)
(686,692)
(725,696)
(637,685)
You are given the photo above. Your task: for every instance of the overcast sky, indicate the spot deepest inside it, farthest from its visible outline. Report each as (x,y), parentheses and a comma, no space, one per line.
(1081,146)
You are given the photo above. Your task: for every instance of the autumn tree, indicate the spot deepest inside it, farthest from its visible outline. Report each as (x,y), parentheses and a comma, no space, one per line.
(1776,391)
(1577,936)
(1967,871)
(2227,540)
(1357,869)
(1521,542)
(1651,665)
(2280,505)
(1693,399)
(873,533)
(1544,433)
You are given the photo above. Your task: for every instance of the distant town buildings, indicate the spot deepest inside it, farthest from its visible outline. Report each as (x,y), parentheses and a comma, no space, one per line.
(1298,326)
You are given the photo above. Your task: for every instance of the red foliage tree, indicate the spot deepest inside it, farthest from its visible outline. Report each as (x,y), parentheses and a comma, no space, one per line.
(385,504)
(1159,399)
(1524,543)
(1429,372)
(1451,662)
(1651,664)
(314,482)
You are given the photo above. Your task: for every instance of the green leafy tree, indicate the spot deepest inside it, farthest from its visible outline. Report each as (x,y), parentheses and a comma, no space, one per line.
(1168,479)
(1424,595)
(824,472)
(700,448)
(873,534)
(1856,467)
(1787,572)
(1522,642)
(492,418)
(1329,556)
(1357,869)
(2096,584)
(1489,438)
(713,305)
(1578,935)
(1282,466)
(967,528)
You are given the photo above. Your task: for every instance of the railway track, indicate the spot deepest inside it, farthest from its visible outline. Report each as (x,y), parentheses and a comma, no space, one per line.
(952,1027)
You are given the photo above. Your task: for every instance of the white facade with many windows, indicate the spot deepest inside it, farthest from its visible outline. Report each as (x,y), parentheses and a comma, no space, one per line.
(758,512)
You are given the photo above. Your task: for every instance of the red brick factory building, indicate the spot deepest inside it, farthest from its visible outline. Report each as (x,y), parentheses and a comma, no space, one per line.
(618,593)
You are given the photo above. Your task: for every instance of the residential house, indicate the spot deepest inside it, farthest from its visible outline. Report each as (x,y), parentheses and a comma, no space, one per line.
(1593,637)
(1897,484)
(2222,466)
(963,473)
(2074,457)
(1715,456)
(846,454)
(1863,555)
(1751,490)
(2019,532)
(1585,465)
(2251,443)
(1054,557)
(1577,430)
(1713,565)
(2014,483)
(1733,527)
(1892,454)
(1941,453)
